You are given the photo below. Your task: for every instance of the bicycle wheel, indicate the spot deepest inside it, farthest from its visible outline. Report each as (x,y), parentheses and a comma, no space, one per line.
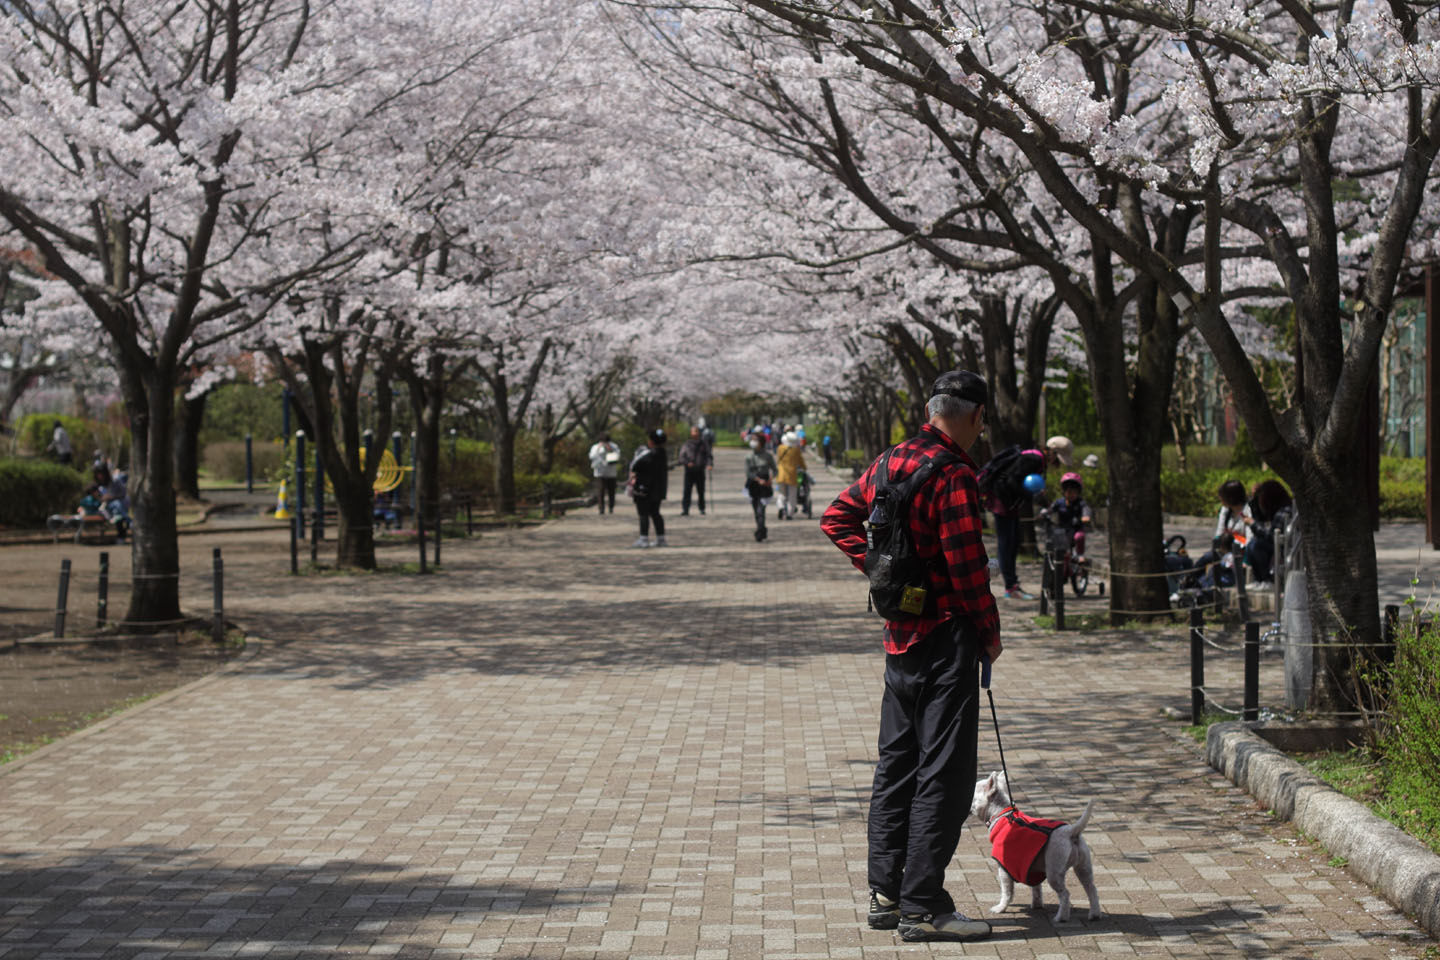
(1079,578)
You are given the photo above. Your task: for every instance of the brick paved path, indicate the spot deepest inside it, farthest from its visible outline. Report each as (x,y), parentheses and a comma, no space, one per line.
(562,747)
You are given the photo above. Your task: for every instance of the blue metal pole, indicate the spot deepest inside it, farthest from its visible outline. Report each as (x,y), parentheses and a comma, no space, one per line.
(300,484)
(397,448)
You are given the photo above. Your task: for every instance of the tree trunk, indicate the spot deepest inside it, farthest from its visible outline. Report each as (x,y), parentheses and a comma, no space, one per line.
(1136,532)
(154,549)
(1341,576)
(503,457)
(355,523)
(189,417)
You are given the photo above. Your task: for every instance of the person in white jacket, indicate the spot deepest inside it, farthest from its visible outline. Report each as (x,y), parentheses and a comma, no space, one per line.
(605,464)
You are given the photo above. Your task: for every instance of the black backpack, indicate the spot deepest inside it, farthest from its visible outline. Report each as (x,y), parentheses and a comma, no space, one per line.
(898,575)
(1004,475)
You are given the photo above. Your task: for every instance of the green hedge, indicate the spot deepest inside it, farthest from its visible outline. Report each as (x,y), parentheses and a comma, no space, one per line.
(1411,744)
(86,436)
(1402,483)
(225,459)
(31,490)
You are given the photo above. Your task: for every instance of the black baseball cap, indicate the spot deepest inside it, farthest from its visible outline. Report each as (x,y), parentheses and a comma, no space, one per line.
(963,385)
(657,435)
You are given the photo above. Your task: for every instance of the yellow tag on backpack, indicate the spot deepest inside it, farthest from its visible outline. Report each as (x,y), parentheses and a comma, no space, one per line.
(912,600)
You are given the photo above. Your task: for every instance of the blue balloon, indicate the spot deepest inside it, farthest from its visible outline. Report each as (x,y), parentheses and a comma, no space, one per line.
(1034,483)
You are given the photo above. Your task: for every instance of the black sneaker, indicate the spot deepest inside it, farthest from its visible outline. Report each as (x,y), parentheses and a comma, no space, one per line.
(884,912)
(947,926)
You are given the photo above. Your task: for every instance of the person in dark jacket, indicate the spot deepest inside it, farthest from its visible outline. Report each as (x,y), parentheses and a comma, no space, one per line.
(697,460)
(648,475)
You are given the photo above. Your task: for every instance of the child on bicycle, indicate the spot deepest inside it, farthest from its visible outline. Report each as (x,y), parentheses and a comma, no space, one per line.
(1071,512)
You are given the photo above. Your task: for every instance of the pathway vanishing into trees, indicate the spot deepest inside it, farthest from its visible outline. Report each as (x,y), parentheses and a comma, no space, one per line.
(563,747)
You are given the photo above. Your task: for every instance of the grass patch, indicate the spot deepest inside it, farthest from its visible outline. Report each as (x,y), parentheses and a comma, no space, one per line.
(1363,776)
(1199,731)
(10,752)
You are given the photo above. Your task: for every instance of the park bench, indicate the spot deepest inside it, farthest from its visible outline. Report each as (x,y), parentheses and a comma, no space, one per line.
(101,528)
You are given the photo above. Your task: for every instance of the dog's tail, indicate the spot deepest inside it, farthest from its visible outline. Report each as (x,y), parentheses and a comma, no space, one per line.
(1078,826)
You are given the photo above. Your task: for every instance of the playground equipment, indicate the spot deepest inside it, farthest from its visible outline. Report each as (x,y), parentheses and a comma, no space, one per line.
(388,475)
(282,502)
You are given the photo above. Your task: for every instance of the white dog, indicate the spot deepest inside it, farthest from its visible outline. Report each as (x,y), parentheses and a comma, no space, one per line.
(1034,851)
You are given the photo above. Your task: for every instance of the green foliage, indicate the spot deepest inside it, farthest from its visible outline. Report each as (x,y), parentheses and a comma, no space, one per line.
(1243,455)
(86,436)
(1193,493)
(472,469)
(1402,482)
(1411,745)
(1070,410)
(31,490)
(235,409)
(225,459)
(728,438)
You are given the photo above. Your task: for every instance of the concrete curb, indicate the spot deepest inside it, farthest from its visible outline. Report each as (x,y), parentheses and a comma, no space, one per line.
(1380,853)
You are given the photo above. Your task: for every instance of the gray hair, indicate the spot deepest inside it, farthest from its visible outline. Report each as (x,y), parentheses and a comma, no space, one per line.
(950,408)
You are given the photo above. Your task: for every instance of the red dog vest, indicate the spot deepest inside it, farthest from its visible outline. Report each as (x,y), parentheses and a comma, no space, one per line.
(1016,841)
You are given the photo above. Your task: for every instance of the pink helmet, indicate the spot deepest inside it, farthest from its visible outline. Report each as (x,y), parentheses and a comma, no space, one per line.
(1072,477)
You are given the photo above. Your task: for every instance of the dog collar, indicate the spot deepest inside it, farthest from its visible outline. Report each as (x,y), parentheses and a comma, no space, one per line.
(1000,816)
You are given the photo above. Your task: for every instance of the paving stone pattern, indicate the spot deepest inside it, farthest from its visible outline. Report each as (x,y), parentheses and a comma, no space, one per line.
(563,747)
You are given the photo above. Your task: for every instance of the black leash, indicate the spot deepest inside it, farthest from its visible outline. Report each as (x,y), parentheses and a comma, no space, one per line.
(985,684)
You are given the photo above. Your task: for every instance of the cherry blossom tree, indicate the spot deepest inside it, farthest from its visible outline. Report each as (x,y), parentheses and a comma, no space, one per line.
(1178,137)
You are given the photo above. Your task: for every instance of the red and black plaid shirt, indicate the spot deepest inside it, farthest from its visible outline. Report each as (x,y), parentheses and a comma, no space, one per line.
(945,526)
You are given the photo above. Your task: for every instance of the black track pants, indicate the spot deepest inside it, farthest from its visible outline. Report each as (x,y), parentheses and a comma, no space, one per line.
(929,719)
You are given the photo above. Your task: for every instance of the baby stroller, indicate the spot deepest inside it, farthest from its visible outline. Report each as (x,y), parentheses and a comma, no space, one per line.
(802,494)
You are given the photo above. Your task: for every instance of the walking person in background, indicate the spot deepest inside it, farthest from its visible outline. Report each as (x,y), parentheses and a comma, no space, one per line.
(759,482)
(60,444)
(789,461)
(649,473)
(825,446)
(605,465)
(930,711)
(697,460)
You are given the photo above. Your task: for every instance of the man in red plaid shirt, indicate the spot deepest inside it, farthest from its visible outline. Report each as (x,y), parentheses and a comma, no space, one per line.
(930,713)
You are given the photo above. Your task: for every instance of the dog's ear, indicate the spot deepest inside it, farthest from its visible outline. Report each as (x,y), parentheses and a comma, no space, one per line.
(1002,784)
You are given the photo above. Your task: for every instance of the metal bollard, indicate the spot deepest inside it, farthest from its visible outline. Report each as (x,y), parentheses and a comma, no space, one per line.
(439,522)
(1197,666)
(1045,588)
(469,517)
(102,596)
(1242,599)
(62,598)
(249,465)
(294,549)
(217,611)
(1252,672)
(1057,568)
(1388,628)
(300,484)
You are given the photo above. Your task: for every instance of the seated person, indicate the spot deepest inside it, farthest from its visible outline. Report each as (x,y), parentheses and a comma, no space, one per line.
(114,500)
(1216,566)
(385,511)
(1270,508)
(1071,512)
